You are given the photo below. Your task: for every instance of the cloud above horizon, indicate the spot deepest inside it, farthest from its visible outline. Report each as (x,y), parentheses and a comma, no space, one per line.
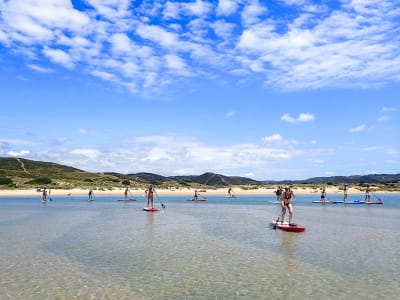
(143,46)
(302,117)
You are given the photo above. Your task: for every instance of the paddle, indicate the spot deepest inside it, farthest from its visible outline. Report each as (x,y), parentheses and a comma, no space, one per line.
(276,222)
(158,198)
(133,197)
(376,196)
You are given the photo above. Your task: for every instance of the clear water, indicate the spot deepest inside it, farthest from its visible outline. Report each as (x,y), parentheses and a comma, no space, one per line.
(219,249)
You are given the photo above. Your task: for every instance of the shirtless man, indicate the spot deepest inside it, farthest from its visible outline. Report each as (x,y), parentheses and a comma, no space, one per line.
(286,202)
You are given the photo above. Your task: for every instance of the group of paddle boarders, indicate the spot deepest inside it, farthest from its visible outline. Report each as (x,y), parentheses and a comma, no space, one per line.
(367,198)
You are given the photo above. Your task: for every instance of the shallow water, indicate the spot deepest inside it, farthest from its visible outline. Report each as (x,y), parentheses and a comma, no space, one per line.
(212,250)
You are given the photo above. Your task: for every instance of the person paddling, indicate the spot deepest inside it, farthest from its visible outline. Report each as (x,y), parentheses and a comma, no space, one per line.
(345,193)
(323,196)
(367,195)
(44,195)
(150,196)
(278,193)
(126,194)
(286,202)
(196,196)
(90,195)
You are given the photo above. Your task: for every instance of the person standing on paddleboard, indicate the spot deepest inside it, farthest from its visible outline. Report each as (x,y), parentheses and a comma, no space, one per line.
(126,194)
(367,195)
(44,195)
(150,196)
(90,195)
(278,193)
(286,202)
(345,191)
(323,195)
(196,195)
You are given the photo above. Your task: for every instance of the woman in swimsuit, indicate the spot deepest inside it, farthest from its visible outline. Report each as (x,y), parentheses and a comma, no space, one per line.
(286,202)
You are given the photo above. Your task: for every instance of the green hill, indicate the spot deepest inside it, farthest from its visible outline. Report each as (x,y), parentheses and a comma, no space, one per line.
(25,173)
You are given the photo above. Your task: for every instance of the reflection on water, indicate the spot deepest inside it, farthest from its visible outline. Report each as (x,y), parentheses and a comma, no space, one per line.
(202,250)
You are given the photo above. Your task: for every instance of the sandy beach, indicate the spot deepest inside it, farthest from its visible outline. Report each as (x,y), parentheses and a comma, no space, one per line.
(184,191)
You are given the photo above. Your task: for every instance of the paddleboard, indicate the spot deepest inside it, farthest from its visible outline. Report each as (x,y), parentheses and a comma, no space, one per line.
(275,202)
(196,200)
(355,202)
(286,227)
(374,202)
(327,202)
(128,200)
(150,209)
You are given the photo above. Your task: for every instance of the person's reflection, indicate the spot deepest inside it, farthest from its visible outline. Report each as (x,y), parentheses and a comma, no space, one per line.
(288,250)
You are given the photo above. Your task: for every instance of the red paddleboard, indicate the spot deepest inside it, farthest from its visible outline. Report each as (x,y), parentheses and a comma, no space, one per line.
(286,227)
(150,209)
(376,202)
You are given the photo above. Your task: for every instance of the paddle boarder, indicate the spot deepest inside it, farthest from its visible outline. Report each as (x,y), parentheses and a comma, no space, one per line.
(150,196)
(323,195)
(367,194)
(278,193)
(345,193)
(196,195)
(286,202)
(126,194)
(44,195)
(91,195)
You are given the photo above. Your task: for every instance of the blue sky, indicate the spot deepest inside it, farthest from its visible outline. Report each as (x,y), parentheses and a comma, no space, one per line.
(285,89)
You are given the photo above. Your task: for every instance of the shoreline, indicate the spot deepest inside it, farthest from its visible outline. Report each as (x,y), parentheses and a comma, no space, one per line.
(179,192)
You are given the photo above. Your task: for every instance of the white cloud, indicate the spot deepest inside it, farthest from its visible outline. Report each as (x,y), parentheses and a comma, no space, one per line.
(388,109)
(20,153)
(317,161)
(59,56)
(358,128)
(303,117)
(83,131)
(252,13)
(40,69)
(272,138)
(230,114)
(353,44)
(85,153)
(227,7)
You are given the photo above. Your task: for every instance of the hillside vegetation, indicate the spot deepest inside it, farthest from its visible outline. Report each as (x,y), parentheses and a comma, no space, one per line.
(23,174)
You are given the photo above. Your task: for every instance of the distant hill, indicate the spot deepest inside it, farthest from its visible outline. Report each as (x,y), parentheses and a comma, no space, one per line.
(210,179)
(25,173)
(353,179)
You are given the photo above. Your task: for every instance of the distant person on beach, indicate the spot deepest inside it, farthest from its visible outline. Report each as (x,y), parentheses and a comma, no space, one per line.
(126,194)
(150,196)
(323,195)
(367,194)
(286,202)
(278,193)
(345,193)
(196,195)
(44,195)
(91,195)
